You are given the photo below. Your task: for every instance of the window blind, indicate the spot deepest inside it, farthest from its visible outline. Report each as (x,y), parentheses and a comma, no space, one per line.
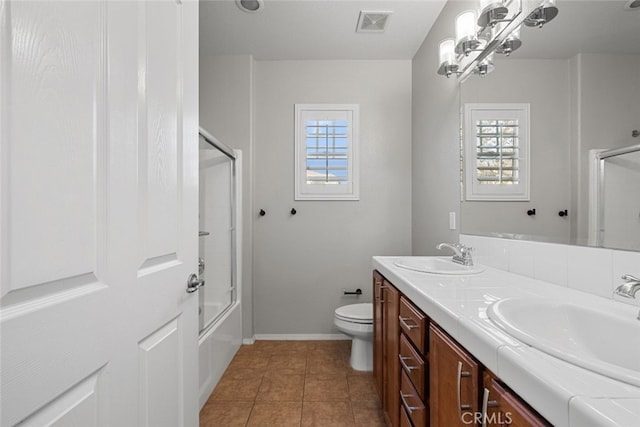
(327,151)
(497,157)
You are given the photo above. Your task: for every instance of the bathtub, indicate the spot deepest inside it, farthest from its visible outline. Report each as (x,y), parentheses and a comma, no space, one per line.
(217,346)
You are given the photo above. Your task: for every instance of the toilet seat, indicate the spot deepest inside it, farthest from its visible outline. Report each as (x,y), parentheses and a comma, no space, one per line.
(356,313)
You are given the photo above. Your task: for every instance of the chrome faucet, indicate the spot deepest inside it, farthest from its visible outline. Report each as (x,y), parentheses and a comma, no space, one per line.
(629,288)
(462,253)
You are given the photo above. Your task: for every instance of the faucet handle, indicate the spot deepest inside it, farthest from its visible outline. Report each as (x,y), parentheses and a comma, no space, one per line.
(630,278)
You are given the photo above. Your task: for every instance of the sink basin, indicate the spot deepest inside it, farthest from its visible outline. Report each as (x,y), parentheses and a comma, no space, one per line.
(606,342)
(436,265)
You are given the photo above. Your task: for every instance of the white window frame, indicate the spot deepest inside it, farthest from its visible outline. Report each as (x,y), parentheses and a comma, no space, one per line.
(496,192)
(349,191)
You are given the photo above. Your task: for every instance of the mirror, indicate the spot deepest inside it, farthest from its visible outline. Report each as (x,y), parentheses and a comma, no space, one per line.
(580,76)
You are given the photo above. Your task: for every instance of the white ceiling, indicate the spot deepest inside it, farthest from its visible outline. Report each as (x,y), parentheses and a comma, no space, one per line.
(315,29)
(584,26)
(325,29)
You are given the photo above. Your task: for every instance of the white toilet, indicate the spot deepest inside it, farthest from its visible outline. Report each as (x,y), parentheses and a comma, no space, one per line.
(356,320)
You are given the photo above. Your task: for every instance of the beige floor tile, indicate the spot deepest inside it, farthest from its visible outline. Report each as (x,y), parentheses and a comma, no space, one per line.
(257,360)
(325,414)
(228,414)
(233,389)
(237,373)
(361,387)
(281,388)
(291,360)
(368,413)
(277,414)
(326,388)
(276,347)
(293,383)
(321,365)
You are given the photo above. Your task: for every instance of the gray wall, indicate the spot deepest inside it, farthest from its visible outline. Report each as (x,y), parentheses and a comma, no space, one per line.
(435,186)
(226,111)
(607,110)
(549,107)
(302,263)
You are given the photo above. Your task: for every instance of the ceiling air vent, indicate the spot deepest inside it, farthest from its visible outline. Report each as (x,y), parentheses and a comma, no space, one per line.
(373,22)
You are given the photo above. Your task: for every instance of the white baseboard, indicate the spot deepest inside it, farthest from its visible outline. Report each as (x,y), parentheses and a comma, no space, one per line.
(248,341)
(296,337)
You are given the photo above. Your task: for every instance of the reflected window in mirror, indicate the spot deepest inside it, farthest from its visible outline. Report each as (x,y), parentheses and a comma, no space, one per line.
(496,147)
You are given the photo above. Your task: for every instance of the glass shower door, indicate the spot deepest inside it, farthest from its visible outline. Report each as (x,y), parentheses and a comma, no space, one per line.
(216,241)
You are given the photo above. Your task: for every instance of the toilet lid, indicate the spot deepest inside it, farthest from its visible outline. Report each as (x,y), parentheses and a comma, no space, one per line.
(360,313)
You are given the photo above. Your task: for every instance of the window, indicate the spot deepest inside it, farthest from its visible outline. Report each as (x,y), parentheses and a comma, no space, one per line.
(497,151)
(326,138)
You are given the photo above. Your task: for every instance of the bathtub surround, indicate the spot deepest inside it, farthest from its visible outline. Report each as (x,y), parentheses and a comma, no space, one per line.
(226,109)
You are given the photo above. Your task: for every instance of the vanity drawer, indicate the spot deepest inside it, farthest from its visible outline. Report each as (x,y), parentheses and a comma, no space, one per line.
(404,418)
(507,408)
(414,324)
(411,402)
(413,364)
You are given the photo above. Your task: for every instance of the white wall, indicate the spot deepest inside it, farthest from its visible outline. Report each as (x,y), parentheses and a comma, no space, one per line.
(226,111)
(548,96)
(435,163)
(302,263)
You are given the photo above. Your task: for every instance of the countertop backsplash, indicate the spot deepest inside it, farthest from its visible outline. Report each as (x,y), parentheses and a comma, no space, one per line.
(596,271)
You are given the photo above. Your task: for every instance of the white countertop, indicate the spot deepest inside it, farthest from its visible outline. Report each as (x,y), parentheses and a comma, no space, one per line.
(565,394)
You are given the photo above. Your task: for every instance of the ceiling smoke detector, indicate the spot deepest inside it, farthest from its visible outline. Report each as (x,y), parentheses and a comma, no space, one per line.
(373,22)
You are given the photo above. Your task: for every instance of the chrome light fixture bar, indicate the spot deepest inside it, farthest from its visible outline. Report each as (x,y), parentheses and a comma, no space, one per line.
(495,29)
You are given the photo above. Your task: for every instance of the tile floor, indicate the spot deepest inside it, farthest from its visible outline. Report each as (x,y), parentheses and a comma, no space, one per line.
(293,383)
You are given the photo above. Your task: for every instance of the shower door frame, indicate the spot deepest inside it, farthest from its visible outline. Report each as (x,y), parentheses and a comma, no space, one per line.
(233,155)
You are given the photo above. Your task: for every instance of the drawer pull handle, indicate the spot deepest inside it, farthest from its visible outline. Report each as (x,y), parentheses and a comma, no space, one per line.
(486,403)
(403,320)
(404,365)
(406,405)
(461,374)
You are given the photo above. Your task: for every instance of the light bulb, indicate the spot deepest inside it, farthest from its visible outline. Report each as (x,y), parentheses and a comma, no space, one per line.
(466,26)
(446,52)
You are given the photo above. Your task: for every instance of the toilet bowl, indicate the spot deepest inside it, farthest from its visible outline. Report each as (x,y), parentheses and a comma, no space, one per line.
(356,321)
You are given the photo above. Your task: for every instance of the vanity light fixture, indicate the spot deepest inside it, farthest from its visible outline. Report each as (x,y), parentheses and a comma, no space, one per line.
(466,34)
(496,29)
(491,12)
(485,66)
(543,14)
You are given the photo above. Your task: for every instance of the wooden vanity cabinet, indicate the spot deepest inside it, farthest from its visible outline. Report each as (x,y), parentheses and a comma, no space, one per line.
(454,383)
(378,361)
(505,408)
(425,378)
(414,369)
(386,331)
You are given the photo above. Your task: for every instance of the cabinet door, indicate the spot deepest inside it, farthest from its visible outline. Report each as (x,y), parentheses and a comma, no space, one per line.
(501,407)
(377,333)
(391,393)
(454,382)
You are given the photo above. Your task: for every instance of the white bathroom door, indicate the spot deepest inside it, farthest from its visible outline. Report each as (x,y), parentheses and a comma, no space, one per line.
(98,213)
